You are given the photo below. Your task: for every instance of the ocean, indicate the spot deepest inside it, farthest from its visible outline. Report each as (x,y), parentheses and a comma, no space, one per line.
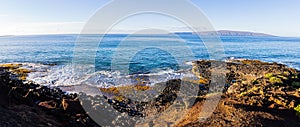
(119,57)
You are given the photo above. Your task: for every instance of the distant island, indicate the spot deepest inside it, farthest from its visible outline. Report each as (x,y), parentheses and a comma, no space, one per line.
(228,33)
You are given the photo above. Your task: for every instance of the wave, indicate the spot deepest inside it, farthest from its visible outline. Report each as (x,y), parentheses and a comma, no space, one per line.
(73,76)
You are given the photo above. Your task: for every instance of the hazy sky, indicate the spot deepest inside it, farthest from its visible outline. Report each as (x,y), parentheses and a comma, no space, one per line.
(278,17)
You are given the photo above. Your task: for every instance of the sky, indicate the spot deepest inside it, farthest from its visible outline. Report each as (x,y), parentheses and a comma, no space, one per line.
(277,17)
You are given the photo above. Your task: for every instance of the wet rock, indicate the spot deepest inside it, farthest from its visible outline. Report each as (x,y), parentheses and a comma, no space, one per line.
(255,94)
(29,104)
(72,105)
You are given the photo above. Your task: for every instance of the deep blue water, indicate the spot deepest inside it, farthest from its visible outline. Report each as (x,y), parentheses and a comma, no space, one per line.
(58,49)
(157,56)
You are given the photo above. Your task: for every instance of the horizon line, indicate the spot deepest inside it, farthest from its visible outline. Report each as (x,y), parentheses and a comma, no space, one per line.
(127,33)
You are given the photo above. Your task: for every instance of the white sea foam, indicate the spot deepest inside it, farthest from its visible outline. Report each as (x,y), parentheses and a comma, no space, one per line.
(71,76)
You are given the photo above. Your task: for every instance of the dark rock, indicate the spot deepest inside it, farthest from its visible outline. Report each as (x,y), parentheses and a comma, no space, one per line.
(72,105)
(48,104)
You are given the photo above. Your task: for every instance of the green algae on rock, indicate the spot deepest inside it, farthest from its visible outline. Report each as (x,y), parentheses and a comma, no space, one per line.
(255,94)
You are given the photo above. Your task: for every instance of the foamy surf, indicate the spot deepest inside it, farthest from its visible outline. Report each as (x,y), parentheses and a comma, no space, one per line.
(83,79)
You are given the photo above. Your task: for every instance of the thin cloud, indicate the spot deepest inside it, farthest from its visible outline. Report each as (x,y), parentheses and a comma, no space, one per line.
(34,28)
(3,15)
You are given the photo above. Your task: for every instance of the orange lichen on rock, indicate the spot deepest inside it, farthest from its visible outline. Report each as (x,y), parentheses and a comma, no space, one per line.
(200,81)
(10,65)
(112,90)
(21,71)
(142,88)
(48,104)
(17,69)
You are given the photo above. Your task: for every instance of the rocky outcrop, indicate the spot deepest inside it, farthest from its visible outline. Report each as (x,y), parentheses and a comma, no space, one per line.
(29,104)
(255,93)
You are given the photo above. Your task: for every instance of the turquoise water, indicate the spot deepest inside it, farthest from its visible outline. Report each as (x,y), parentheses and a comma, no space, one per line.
(36,51)
(58,49)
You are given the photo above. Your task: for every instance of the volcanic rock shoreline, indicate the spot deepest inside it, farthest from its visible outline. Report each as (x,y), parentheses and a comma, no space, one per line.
(30,105)
(255,94)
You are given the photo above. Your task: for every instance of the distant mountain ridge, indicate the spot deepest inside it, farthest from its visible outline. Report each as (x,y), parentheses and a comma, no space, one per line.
(228,33)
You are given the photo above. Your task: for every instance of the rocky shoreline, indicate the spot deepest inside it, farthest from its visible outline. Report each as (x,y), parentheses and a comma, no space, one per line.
(29,105)
(255,94)
(259,94)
